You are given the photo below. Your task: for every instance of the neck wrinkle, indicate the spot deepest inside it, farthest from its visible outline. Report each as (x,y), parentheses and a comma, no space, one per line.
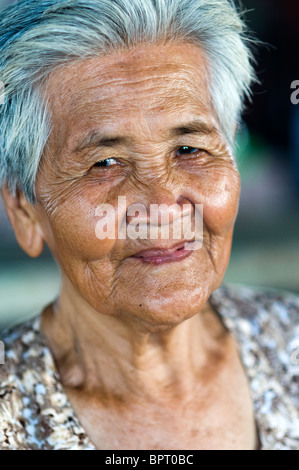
(114,359)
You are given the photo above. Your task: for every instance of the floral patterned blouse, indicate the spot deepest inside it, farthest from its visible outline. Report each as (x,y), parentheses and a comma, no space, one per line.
(35,413)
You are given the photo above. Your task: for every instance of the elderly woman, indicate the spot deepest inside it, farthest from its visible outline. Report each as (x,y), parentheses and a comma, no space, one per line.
(112,105)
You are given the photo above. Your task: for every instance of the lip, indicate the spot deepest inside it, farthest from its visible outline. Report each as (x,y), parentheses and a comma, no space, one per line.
(160,254)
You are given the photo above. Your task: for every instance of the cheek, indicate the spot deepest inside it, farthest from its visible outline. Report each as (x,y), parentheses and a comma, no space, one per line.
(72,229)
(220,201)
(72,232)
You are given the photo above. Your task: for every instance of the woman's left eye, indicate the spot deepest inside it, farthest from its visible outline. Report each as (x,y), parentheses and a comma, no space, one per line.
(106,163)
(185,150)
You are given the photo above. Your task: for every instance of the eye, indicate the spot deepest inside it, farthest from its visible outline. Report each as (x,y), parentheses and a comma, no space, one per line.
(185,150)
(106,163)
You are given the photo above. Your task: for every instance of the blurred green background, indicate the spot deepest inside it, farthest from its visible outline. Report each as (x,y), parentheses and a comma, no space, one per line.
(266,241)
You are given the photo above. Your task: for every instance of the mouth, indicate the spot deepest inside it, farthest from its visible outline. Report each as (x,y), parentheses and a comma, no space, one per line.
(161,255)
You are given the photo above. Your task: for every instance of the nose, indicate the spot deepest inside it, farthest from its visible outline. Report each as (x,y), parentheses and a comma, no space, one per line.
(162,207)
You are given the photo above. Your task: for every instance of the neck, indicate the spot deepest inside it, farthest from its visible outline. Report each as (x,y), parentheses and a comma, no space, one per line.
(116,357)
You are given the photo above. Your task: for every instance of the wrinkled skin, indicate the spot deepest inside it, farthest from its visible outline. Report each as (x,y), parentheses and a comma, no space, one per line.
(141,98)
(126,332)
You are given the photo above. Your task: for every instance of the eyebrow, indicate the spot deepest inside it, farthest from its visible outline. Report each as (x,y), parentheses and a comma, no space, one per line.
(97,139)
(197,126)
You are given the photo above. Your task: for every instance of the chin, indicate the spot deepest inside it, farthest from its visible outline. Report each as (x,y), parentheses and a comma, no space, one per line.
(162,312)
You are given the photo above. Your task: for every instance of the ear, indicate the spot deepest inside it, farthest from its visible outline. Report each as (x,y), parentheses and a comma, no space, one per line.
(24,220)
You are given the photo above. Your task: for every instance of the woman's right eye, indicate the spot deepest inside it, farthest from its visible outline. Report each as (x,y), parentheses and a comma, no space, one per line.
(106,163)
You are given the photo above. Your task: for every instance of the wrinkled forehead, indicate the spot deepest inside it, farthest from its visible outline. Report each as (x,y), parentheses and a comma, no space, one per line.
(152,83)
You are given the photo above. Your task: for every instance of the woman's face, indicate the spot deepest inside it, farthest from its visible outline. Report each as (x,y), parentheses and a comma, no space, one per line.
(147,116)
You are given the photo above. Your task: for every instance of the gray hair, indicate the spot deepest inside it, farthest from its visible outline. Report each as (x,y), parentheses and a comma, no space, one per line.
(38,36)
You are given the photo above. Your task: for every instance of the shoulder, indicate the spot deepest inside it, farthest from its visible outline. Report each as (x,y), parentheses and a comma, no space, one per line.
(34,410)
(265,310)
(254,300)
(266,325)
(24,350)
(270,316)
(23,369)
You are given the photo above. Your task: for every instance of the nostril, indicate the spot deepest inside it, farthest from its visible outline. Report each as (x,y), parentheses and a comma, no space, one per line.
(160,213)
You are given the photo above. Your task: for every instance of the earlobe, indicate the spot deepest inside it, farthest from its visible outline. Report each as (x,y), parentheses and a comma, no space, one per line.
(24,221)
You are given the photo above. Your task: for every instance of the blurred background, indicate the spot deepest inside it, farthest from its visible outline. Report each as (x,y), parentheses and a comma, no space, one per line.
(266,242)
